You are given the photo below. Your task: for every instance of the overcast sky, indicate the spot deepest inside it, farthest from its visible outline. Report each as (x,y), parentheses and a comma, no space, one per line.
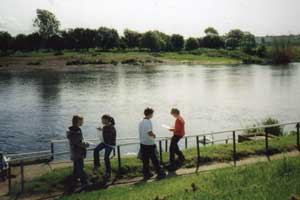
(187,17)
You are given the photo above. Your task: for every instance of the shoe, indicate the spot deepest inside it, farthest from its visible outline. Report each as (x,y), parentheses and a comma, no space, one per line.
(161,175)
(172,167)
(148,176)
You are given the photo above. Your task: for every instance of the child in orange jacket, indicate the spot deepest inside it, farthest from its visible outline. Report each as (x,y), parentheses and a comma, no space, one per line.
(178,133)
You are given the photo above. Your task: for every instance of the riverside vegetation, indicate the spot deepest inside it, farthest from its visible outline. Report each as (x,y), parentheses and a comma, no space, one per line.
(104,46)
(57,179)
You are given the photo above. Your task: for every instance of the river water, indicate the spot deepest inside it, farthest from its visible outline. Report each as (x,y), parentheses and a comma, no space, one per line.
(37,105)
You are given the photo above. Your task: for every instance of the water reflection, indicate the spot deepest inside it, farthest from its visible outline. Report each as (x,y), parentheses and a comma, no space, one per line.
(37,105)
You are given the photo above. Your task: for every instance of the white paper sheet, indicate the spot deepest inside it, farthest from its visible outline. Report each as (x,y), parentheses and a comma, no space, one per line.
(166,126)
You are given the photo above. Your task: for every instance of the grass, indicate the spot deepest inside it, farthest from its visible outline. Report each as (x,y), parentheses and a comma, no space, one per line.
(131,167)
(131,58)
(276,180)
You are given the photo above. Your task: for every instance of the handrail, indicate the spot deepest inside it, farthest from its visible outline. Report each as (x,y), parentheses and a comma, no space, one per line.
(49,153)
(194,135)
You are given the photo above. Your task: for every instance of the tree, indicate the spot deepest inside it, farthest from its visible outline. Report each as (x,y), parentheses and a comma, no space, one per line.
(55,42)
(107,38)
(191,44)
(248,42)
(211,31)
(6,41)
(177,42)
(132,38)
(34,41)
(151,40)
(233,39)
(212,41)
(20,42)
(47,23)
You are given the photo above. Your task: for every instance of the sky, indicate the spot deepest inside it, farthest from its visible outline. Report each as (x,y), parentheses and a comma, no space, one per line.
(186,17)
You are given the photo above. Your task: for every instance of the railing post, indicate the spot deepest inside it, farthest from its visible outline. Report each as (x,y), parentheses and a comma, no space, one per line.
(186,142)
(298,136)
(198,151)
(52,150)
(234,148)
(267,143)
(160,152)
(119,159)
(2,166)
(22,176)
(204,140)
(9,179)
(114,152)
(166,145)
(226,141)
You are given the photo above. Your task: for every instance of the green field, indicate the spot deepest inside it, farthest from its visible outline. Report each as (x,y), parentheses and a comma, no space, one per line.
(276,180)
(131,166)
(211,57)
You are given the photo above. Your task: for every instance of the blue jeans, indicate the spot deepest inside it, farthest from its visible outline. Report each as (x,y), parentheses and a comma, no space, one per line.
(108,150)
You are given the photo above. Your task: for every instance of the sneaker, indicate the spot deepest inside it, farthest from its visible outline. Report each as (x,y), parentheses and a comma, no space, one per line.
(148,176)
(161,175)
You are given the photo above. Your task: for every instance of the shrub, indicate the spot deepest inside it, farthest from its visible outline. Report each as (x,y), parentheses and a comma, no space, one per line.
(277,130)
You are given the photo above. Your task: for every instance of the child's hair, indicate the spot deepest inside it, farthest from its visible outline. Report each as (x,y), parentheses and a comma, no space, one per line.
(148,111)
(175,111)
(76,120)
(109,118)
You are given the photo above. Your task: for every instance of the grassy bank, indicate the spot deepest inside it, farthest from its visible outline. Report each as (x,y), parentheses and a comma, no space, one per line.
(92,57)
(56,180)
(276,180)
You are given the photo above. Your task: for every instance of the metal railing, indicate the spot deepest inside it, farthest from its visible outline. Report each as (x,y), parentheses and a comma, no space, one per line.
(199,139)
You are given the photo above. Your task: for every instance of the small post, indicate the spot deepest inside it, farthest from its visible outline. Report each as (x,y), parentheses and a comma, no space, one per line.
(298,136)
(114,152)
(186,142)
(52,150)
(2,166)
(267,143)
(226,141)
(166,145)
(22,176)
(234,148)
(160,152)
(119,159)
(204,140)
(198,151)
(9,179)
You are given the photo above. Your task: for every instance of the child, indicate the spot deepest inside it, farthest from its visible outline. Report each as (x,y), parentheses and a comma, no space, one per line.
(109,142)
(178,133)
(148,146)
(77,148)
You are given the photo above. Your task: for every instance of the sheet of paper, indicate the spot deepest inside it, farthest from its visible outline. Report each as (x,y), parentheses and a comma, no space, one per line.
(166,126)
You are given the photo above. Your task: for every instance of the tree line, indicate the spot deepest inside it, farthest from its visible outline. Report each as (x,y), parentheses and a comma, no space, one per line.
(49,36)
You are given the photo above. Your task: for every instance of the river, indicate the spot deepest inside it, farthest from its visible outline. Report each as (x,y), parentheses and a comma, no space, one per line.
(37,105)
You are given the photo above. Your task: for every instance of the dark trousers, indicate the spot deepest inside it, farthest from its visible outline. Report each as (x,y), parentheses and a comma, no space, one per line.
(78,170)
(148,152)
(108,150)
(174,149)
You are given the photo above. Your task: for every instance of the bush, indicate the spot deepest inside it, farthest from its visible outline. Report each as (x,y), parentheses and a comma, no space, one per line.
(277,130)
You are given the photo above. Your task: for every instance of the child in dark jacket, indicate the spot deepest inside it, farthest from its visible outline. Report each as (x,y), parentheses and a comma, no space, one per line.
(77,148)
(109,141)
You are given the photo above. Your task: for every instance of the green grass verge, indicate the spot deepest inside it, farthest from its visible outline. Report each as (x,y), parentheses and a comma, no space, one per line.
(131,166)
(138,58)
(276,180)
